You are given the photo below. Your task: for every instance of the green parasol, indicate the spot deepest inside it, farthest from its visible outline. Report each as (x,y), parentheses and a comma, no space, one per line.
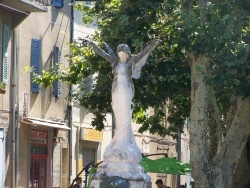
(92,170)
(166,165)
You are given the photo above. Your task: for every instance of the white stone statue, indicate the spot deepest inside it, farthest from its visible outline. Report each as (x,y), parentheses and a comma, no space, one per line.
(123,149)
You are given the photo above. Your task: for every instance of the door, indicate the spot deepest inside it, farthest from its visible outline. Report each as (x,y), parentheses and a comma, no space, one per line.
(38,171)
(38,159)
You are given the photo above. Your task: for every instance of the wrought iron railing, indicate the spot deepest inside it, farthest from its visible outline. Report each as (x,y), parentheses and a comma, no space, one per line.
(86,170)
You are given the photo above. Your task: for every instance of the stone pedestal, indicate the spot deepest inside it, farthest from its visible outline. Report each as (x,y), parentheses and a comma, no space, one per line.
(120,175)
(121,165)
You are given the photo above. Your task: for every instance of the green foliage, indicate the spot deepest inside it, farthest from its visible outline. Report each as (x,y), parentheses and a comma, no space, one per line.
(164,77)
(219,30)
(2,86)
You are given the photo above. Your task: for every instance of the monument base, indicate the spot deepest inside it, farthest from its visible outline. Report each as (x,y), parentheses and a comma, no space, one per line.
(120,175)
(121,180)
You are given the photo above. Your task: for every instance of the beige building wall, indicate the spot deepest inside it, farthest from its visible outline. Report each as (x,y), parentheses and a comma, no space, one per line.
(23,160)
(53,29)
(12,13)
(5,116)
(185,153)
(87,139)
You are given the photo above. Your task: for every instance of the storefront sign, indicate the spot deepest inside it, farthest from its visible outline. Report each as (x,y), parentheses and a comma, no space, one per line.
(91,135)
(25,104)
(38,137)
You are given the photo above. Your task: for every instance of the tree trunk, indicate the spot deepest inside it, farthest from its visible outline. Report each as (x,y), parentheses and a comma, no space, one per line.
(213,163)
(205,174)
(235,141)
(241,177)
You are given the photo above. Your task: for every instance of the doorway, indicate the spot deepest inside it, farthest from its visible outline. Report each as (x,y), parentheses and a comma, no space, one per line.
(38,159)
(38,171)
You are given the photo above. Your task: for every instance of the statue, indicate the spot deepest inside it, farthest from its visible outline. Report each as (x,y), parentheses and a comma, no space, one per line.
(123,148)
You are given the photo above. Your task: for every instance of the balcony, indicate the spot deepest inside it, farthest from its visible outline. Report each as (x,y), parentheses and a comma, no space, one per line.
(26,5)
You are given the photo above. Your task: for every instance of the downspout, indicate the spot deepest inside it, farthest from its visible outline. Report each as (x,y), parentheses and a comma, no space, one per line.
(70,95)
(12,99)
(16,95)
(15,110)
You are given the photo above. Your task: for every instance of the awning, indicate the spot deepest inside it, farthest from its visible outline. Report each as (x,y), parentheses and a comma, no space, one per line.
(166,165)
(46,123)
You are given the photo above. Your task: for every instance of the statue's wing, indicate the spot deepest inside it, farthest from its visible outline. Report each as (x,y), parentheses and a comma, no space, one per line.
(110,51)
(137,66)
(141,59)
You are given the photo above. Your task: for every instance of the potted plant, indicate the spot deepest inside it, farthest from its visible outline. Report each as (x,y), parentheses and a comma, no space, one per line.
(2,88)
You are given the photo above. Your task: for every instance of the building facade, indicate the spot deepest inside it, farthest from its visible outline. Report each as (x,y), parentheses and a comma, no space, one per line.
(46,139)
(34,126)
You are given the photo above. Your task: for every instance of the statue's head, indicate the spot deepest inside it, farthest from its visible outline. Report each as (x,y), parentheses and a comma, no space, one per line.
(123,48)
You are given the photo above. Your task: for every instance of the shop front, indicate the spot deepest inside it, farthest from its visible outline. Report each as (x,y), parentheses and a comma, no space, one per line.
(89,148)
(38,158)
(43,154)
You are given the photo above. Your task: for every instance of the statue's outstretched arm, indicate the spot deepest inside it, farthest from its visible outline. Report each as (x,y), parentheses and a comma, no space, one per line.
(101,52)
(140,59)
(146,51)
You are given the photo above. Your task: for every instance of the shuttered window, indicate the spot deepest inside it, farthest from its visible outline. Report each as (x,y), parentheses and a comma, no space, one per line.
(5,41)
(88,156)
(35,62)
(58,3)
(57,60)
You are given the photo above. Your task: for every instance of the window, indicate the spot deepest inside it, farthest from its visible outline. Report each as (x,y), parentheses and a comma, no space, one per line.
(4,52)
(35,62)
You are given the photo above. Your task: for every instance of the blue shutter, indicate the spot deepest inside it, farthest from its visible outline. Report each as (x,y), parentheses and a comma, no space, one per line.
(35,62)
(5,53)
(58,3)
(57,60)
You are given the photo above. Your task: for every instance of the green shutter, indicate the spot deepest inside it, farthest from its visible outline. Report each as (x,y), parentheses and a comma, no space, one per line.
(5,53)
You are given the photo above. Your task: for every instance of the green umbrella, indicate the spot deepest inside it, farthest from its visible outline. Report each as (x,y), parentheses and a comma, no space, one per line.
(92,170)
(165,165)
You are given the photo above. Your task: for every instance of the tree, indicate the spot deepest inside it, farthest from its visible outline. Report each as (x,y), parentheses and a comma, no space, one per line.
(219,85)
(203,61)
(158,82)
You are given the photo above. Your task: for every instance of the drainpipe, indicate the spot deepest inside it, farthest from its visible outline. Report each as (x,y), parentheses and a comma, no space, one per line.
(13,172)
(16,92)
(14,109)
(70,95)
